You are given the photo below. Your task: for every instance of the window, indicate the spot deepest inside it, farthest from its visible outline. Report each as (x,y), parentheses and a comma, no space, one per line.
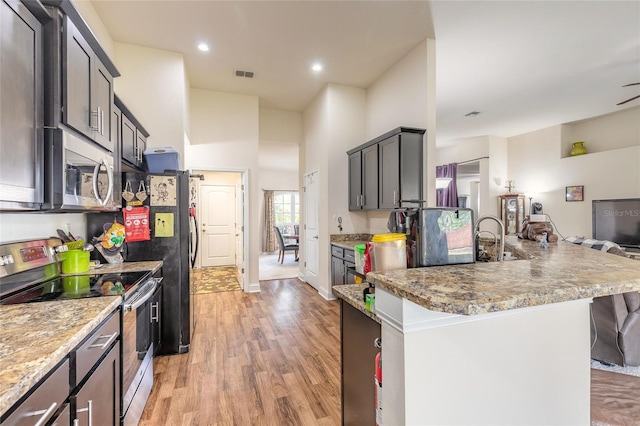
(287,211)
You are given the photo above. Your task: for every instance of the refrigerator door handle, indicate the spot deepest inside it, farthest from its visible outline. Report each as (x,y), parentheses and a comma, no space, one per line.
(194,255)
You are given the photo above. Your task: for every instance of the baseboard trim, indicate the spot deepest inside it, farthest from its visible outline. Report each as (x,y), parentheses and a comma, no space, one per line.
(254,288)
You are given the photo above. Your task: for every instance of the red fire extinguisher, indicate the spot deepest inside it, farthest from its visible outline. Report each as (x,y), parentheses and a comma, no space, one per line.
(378,384)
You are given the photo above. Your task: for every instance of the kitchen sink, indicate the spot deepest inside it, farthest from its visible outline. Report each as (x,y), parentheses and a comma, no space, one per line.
(488,251)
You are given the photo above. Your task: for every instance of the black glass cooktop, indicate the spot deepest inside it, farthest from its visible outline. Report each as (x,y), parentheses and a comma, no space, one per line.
(77,287)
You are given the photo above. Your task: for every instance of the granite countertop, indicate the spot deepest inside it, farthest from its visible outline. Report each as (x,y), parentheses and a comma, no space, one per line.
(352,294)
(29,350)
(563,272)
(347,241)
(120,268)
(347,244)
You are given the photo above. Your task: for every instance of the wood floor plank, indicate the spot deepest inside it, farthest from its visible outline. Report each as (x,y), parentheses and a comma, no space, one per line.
(268,358)
(273,358)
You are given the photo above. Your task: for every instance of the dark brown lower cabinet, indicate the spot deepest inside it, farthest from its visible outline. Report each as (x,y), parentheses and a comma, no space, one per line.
(358,333)
(98,400)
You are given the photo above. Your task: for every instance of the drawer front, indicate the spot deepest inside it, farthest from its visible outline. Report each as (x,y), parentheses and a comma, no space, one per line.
(96,345)
(349,256)
(45,401)
(337,251)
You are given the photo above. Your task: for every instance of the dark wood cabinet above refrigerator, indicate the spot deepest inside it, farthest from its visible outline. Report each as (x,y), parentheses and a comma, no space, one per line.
(133,138)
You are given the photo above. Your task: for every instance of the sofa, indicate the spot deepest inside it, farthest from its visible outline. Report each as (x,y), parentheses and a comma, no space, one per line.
(615,325)
(615,329)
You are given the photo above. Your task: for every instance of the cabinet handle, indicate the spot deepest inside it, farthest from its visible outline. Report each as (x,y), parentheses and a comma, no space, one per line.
(101,121)
(362,200)
(106,344)
(89,411)
(95,113)
(96,170)
(395,198)
(377,343)
(155,317)
(46,414)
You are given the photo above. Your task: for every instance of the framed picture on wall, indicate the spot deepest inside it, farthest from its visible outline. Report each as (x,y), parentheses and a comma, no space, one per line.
(574,193)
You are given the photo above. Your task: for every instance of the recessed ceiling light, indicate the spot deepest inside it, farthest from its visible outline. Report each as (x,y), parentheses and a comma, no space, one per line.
(202,46)
(317,66)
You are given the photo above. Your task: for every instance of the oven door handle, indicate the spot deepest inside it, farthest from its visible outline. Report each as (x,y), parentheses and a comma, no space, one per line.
(143,295)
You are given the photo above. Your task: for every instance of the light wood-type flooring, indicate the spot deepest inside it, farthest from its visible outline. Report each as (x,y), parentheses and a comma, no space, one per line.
(268,358)
(273,358)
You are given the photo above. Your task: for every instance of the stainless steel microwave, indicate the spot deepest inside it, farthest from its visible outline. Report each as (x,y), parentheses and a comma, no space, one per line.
(80,174)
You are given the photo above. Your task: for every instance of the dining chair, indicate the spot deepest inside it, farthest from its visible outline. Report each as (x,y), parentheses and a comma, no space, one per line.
(284,247)
(296,229)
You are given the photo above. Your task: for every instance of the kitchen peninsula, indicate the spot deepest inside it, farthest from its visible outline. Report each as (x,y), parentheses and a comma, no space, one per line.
(494,343)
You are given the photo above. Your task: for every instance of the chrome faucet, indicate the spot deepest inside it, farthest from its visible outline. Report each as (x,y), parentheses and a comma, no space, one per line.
(500,254)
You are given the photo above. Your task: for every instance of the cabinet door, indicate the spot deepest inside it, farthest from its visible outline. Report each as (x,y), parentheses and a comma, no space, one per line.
(411,152)
(349,273)
(389,172)
(98,401)
(77,96)
(141,145)
(102,104)
(116,129)
(337,271)
(128,140)
(355,181)
(370,178)
(358,367)
(21,107)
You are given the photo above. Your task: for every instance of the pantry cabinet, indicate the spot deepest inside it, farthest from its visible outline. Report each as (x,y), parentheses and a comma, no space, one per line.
(386,172)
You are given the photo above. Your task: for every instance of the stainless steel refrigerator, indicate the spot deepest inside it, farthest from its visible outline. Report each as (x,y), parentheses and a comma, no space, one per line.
(169,200)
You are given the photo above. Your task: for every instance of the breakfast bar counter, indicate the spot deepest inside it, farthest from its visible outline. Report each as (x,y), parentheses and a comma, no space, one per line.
(494,343)
(560,273)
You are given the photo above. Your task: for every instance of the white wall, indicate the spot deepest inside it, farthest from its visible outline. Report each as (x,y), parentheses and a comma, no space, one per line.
(404,96)
(152,87)
(224,136)
(90,16)
(27,226)
(333,121)
(535,163)
(346,121)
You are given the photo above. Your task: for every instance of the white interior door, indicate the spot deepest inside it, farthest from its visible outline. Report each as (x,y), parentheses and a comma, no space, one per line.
(311,228)
(218,225)
(239,231)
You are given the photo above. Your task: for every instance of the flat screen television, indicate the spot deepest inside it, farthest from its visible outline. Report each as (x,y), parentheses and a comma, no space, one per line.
(617,221)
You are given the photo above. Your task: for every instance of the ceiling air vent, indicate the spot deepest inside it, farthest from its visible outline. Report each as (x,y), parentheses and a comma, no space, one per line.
(240,73)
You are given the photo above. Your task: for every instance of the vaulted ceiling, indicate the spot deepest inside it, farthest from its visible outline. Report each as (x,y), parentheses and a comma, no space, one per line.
(524,65)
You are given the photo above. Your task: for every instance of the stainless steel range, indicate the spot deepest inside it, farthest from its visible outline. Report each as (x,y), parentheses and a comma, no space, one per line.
(30,273)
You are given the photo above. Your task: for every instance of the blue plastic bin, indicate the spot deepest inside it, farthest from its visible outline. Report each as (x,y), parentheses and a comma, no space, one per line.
(157,160)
